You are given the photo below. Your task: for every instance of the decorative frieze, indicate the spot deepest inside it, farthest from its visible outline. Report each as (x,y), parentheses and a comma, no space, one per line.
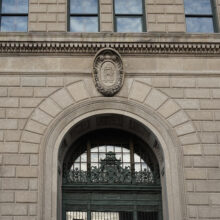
(147,48)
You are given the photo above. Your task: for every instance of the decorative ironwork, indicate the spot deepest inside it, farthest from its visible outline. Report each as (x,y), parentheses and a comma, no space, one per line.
(110,172)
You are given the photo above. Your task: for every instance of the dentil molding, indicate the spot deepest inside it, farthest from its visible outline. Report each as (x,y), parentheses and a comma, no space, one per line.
(125,48)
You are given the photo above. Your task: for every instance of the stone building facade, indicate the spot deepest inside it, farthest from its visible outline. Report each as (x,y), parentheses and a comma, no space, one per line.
(171,86)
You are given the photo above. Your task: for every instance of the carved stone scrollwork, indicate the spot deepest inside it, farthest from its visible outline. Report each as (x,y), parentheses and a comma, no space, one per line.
(108,72)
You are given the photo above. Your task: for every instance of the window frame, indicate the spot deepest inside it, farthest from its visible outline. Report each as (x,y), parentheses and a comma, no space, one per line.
(142,16)
(69,15)
(212,15)
(11,15)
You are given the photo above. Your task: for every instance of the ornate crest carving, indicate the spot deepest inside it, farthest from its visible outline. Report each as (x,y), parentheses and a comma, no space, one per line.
(108,72)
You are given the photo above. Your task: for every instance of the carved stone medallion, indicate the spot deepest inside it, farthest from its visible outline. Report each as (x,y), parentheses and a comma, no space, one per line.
(108,72)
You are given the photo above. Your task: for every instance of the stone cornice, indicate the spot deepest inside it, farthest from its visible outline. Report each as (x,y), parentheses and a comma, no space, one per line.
(142,48)
(126,44)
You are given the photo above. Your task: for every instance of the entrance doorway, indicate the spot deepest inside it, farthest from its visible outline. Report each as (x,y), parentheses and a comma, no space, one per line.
(110,174)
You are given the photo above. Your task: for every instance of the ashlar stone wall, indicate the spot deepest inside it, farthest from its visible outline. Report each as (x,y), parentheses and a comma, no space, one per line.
(183,89)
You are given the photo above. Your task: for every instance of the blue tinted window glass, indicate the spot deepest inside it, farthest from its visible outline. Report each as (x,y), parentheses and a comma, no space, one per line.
(83,6)
(128,7)
(198,7)
(15,6)
(84,24)
(14,23)
(202,25)
(125,24)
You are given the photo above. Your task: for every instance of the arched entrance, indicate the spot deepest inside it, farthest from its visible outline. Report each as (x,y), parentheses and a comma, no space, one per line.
(110,174)
(141,121)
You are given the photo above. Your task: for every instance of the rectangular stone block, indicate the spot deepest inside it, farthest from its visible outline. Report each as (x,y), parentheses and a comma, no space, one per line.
(8,147)
(8,102)
(200,115)
(14,183)
(197,93)
(210,125)
(16,159)
(3,92)
(2,113)
(33,81)
(61,8)
(25,171)
(198,198)
(24,196)
(9,81)
(209,82)
(32,209)
(33,184)
(195,173)
(34,159)
(37,8)
(13,209)
(29,148)
(208,161)
(195,149)
(188,103)
(18,112)
(7,171)
(38,27)
(6,197)
(209,212)
(211,149)
(8,124)
(210,104)
(47,17)
(214,174)
(217,115)
(12,135)
(208,137)
(215,199)
(176,27)
(166,18)
(20,92)
(207,186)
(192,211)
(173,92)
(106,17)
(55,81)
(57,27)
(182,82)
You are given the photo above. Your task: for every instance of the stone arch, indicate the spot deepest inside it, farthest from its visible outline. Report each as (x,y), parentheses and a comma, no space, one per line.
(55,115)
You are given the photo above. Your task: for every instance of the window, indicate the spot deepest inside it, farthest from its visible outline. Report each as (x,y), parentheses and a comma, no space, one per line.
(84,16)
(129,15)
(14,15)
(199,16)
(113,175)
